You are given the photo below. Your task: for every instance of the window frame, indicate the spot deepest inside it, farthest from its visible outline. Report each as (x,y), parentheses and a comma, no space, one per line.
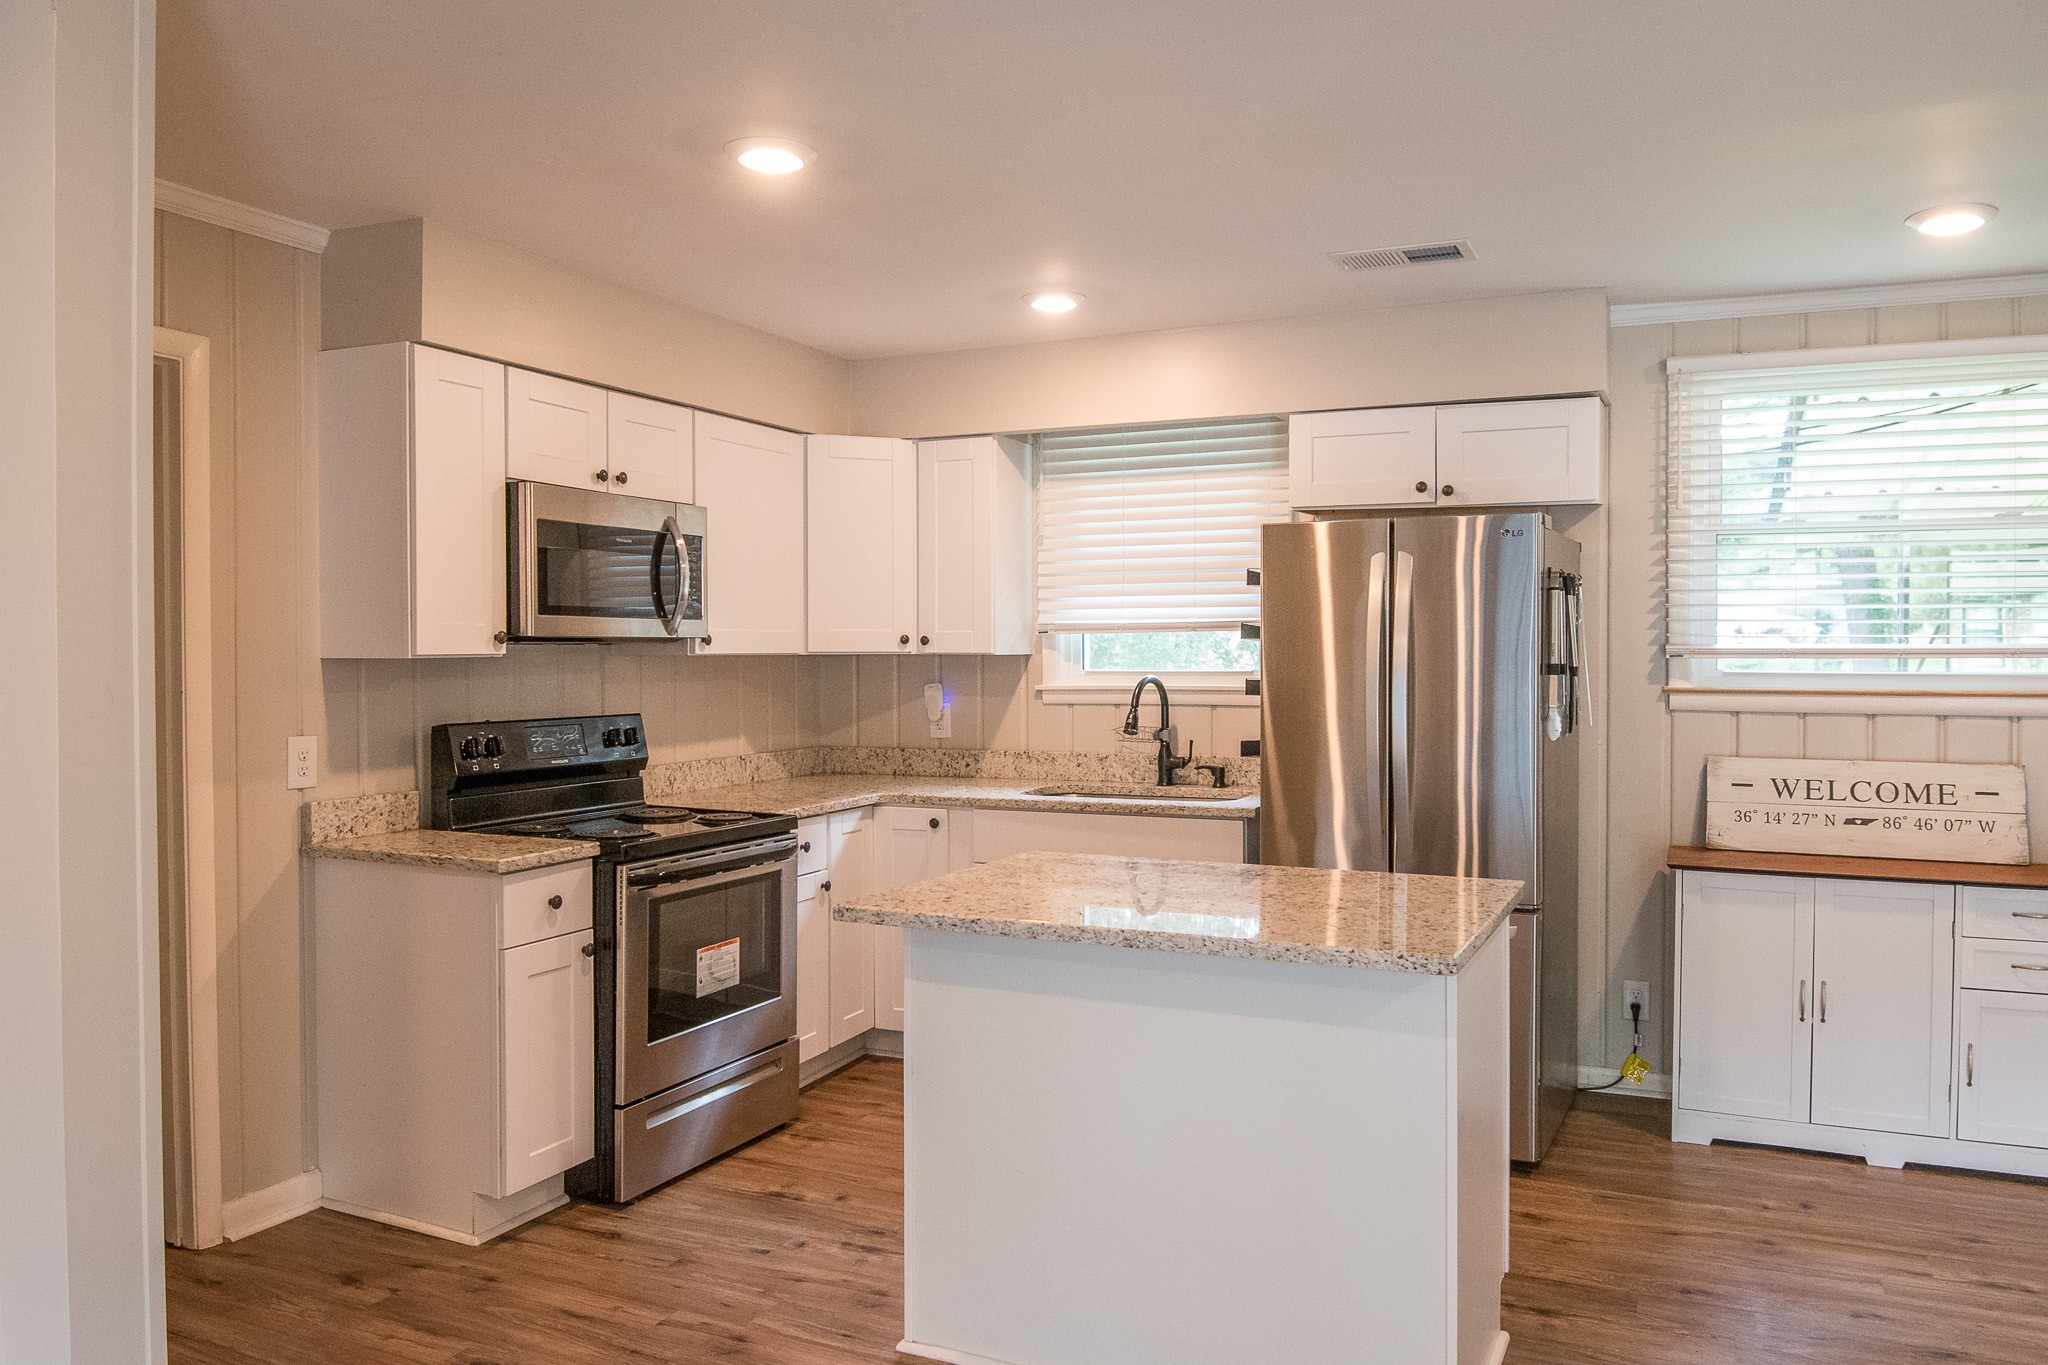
(1705,673)
(1066,680)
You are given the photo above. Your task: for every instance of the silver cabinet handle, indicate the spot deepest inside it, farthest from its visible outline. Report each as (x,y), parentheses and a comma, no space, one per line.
(1802,1001)
(2030,914)
(1970,1065)
(1823,1002)
(2030,966)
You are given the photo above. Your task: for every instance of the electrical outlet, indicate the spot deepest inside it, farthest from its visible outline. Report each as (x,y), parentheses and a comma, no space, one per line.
(302,762)
(1635,993)
(939,710)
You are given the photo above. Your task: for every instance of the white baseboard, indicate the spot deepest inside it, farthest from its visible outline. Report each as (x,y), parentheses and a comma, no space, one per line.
(1499,1353)
(285,1200)
(941,1353)
(885,1042)
(1655,1086)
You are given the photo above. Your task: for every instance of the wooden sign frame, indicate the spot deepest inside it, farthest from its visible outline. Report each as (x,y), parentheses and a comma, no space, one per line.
(1861,808)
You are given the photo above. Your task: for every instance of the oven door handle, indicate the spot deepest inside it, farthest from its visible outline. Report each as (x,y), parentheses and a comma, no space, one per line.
(670,536)
(704,881)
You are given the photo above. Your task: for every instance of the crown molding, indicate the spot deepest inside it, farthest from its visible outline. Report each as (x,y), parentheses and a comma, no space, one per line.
(211,208)
(1826,300)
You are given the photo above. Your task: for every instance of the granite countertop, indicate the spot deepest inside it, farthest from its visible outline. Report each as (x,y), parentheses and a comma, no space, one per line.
(455,849)
(807,796)
(1378,920)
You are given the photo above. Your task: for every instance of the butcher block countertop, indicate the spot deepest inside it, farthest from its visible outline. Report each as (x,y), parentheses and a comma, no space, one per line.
(1694,858)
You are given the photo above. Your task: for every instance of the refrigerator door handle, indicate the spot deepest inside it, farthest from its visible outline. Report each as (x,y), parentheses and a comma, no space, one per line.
(1399,711)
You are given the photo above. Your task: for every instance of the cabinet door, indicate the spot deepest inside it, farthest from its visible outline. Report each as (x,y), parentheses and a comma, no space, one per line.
(863,545)
(648,448)
(548,1053)
(750,481)
(1002,833)
(1745,994)
(1884,968)
(813,967)
(458,504)
(912,845)
(2005,1068)
(852,988)
(973,546)
(1496,454)
(1371,457)
(554,430)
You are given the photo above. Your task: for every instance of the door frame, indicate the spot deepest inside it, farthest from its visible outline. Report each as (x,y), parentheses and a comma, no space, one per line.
(191,999)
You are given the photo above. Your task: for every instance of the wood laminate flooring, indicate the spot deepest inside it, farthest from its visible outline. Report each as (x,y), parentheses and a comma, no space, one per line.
(1626,1248)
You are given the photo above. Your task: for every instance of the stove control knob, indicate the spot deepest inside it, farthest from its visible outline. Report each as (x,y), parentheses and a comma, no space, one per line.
(493,746)
(610,739)
(630,735)
(470,748)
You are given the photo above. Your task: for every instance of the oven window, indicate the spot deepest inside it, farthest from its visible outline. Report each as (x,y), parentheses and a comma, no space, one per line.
(712,952)
(605,571)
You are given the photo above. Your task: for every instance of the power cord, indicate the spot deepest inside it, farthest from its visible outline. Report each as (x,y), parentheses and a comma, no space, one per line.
(1633,1067)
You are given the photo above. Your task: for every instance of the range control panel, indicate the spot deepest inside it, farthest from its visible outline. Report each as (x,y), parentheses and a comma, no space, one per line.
(479,748)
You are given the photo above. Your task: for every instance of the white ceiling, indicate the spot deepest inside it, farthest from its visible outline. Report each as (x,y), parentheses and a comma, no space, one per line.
(1179,162)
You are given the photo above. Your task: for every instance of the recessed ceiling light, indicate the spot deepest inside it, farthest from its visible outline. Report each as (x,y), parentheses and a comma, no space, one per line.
(1952,220)
(1054,301)
(771,155)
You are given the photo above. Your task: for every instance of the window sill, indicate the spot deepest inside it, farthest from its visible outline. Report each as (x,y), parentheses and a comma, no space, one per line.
(1864,702)
(1093,694)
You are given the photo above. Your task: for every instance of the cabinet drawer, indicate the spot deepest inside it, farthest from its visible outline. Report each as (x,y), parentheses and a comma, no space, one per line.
(543,903)
(2005,912)
(2012,965)
(811,840)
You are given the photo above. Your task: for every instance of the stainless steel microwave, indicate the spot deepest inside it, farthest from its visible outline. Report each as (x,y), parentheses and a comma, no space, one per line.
(603,566)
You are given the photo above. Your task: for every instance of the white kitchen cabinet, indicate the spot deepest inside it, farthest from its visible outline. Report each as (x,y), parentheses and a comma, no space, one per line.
(2004,1095)
(554,430)
(412,503)
(974,546)
(912,844)
(1002,833)
(1369,457)
(851,947)
(1518,454)
(1745,1007)
(549,1053)
(650,448)
(453,1040)
(813,965)
(750,481)
(1541,452)
(863,544)
(1883,964)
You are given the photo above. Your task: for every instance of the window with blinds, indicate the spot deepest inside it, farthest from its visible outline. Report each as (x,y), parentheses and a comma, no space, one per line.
(1877,511)
(1152,528)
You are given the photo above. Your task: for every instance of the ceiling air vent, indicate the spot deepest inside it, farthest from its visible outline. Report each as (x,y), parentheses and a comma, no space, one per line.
(1427,254)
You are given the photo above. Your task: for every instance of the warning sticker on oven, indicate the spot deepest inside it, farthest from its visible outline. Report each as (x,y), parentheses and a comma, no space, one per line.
(718,966)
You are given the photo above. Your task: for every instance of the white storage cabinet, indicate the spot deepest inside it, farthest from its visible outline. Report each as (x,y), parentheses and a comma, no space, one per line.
(1538,453)
(581,436)
(863,544)
(455,1041)
(974,546)
(835,963)
(412,504)
(750,482)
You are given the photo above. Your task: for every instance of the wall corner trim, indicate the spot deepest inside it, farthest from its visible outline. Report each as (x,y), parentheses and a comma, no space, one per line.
(285,1200)
(1826,300)
(211,208)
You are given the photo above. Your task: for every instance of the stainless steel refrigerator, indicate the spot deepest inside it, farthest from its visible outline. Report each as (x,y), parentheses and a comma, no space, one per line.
(1421,697)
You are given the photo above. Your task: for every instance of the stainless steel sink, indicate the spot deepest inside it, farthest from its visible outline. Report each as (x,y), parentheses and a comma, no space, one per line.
(1175,793)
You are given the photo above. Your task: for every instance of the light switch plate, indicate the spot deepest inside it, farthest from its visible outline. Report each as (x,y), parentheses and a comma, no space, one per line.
(302,762)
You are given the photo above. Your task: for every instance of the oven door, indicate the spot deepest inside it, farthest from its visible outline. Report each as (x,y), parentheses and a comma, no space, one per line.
(603,566)
(706,962)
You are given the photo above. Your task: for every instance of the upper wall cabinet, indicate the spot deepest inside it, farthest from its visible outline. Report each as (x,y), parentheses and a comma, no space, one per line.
(974,546)
(1539,453)
(580,436)
(412,503)
(863,544)
(554,430)
(750,481)
(650,448)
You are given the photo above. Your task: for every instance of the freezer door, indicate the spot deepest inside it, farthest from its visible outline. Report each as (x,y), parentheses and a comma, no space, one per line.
(1323,643)
(1464,669)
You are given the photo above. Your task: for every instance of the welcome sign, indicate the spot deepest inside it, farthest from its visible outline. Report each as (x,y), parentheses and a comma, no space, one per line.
(1952,812)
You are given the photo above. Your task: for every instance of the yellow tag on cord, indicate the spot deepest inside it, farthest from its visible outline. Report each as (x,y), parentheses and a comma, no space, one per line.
(1634,1068)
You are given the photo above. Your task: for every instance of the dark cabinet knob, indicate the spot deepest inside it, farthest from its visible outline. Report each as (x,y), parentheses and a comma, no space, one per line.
(620,479)
(824,886)
(590,950)
(498,637)
(805,846)
(903,639)
(924,639)
(554,902)
(1448,490)
(1422,485)
(935,822)
(604,476)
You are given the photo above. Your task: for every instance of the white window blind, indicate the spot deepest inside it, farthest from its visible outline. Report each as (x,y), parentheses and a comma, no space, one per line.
(1879,514)
(1148,528)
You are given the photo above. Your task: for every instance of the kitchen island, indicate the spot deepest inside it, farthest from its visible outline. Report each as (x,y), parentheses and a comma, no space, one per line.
(1175,1113)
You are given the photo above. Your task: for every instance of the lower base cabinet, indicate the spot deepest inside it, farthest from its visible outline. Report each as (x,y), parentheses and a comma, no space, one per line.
(2004,1096)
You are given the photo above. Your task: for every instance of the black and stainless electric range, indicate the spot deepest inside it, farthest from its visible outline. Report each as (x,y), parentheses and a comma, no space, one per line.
(695,937)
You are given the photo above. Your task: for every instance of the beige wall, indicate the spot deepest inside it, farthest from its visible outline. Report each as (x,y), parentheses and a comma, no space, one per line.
(1517,346)
(421,281)
(1656,760)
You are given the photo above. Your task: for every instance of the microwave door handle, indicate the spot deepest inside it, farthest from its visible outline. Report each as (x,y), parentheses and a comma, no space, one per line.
(670,537)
